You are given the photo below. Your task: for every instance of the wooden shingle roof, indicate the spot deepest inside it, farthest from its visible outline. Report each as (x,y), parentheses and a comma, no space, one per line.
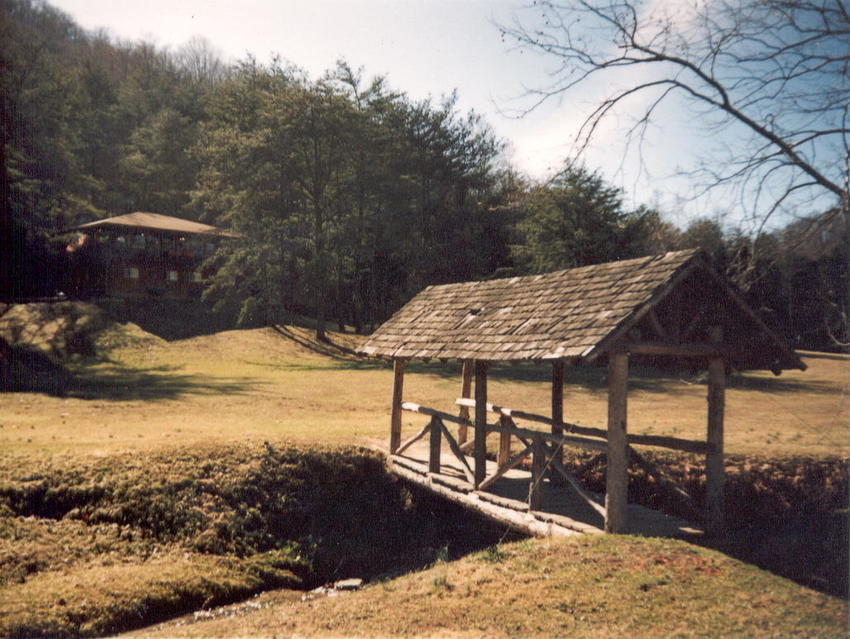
(154,222)
(572,314)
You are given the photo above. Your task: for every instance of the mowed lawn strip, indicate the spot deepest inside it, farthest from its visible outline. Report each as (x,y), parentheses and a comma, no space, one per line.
(603,586)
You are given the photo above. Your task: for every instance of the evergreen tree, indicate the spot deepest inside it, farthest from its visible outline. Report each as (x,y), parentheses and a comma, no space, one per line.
(574,220)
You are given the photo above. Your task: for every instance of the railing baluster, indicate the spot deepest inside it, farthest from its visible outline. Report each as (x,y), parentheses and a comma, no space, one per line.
(436,444)
(535,488)
(464,465)
(504,468)
(409,442)
(504,440)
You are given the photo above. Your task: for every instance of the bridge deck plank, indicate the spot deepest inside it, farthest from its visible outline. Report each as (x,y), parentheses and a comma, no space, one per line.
(563,511)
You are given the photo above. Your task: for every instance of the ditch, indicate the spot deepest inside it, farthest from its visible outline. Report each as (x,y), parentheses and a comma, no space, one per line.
(276,516)
(195,528)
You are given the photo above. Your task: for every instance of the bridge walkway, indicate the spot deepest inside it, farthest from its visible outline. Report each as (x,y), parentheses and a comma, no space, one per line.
(560,510)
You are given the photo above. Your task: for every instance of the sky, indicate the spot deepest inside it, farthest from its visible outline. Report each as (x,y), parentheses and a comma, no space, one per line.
(426,48)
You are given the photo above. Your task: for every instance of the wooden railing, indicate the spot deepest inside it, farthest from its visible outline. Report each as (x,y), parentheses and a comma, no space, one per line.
(673,443)
(661,441)
(437,429)
(544,449)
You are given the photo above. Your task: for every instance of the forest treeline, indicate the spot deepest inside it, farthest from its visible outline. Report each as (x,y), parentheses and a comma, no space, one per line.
(348,195)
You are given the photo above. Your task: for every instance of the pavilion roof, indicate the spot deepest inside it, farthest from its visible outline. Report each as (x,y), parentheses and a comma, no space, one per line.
(154,222)
(576,314)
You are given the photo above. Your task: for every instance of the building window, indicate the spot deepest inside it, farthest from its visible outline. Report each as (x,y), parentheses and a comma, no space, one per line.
(172,276)
(196,277)
(131,273)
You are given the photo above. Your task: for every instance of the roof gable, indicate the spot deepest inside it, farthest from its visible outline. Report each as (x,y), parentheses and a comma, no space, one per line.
(574,314)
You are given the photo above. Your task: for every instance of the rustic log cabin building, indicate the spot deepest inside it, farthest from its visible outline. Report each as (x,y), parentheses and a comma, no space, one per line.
(140,255)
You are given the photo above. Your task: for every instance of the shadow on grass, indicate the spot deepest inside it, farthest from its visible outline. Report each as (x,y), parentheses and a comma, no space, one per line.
(328,348)
(115,382)
(810,550)
(169,319)
(341,356)
(782,385)
(653,380)
(593,378)
(31,371)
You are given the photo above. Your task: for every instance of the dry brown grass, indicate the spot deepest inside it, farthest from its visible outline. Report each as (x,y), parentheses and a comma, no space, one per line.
(265,383)
(578,587)
(115,593)
(95,545)
(149,400)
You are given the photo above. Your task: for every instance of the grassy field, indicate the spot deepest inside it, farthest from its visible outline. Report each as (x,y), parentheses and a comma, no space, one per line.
(140,487)
(580,587)
(281,384)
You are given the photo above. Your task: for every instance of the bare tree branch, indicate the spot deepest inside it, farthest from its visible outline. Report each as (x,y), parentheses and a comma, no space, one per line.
(778,68)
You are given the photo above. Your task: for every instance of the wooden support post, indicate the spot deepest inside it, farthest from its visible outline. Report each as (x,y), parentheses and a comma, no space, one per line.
(465,392)
(504,440)
(538,463)
(616,476)
(480,450)
(558,410)
(436,444)
(398,391)
(714,469)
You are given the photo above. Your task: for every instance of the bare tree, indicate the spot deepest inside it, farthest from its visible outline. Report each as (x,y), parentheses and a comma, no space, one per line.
(201,61)
(779,70)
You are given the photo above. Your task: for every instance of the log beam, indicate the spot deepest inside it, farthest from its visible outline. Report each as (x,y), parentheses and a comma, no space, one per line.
(480,449)
(656,325)
(465,392)
(409,442)
(395,415)
(458,453)
(675,350)
(558,404)
(714,470)
(424,410)
(576,485)
(506,423)
(538,464)
(508,465)
(435,445)
(661,441)
(616,476)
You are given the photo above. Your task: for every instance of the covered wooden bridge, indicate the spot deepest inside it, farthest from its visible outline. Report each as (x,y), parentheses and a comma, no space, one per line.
(668,311)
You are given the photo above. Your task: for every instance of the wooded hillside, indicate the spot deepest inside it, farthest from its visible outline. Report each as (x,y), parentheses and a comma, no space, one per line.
(349,195)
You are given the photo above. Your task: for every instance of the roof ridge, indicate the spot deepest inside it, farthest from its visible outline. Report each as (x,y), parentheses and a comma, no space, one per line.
(554,274)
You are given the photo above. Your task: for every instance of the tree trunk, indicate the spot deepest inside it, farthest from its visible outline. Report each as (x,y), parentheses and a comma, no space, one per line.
(5,205)
(320,319)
